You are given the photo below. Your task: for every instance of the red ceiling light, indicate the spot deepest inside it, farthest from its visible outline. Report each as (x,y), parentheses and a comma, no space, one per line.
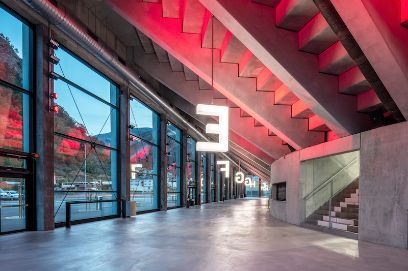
(55,108)
(54,96)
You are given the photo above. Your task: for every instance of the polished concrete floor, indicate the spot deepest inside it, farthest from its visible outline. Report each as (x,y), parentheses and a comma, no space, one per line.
(235,235)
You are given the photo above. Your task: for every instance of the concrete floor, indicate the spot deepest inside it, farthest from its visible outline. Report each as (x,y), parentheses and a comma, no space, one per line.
(235,235)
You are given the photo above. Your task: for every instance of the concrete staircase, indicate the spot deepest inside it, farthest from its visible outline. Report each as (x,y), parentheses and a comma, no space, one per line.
(344,213)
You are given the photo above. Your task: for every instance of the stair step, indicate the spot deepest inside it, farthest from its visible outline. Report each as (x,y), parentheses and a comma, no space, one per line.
(171,8)
(250,65)
(345,204)
(335,60)
(301,110)
(351,200)
(267,81)
(316,36)
(232,49)
(209,40)
(404,13)
(284,96)
(353,82)
(345,210)
(368,101)
(352,222)
(294,14)
(272,3)
(193,16)
(352,228)
(317,124)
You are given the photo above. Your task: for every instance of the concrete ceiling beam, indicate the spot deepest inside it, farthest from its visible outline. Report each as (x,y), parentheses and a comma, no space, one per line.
(278,49)
(378,40)
(189,91)
(203,84)
(189,74)
(187,49)
(316,36)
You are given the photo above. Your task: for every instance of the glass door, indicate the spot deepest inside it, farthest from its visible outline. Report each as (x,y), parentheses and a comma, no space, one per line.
(12,204)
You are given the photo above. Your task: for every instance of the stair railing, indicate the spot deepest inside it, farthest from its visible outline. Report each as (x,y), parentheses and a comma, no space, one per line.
(330,182)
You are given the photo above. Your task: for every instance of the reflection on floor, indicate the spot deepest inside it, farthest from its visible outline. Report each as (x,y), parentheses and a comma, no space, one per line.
(234,235)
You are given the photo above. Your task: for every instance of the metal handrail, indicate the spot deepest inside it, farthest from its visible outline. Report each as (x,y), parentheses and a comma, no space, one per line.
(69,203)
(328,181)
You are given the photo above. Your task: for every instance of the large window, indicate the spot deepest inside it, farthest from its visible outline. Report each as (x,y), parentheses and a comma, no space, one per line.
(174,143)
(15,97)
(191,169)
(86,141)
(204,177)
(144,156)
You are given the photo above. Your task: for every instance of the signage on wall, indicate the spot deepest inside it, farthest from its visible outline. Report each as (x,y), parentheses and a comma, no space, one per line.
(220,128)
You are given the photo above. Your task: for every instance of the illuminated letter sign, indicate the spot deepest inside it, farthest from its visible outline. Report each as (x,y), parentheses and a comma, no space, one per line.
(226,169)
(239,177)
(221,129)
(249,182)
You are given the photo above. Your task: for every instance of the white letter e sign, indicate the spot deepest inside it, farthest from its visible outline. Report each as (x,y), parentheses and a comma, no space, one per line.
(212,128)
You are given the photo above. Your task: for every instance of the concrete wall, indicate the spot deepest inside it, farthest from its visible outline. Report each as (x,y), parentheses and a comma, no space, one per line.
(383,214)
(288,169)
(383,199)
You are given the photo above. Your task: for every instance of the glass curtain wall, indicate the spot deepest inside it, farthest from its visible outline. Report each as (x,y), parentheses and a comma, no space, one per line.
(16,45)
(191,169)
(174,143)
(144,156)
(204,177)
(85,140)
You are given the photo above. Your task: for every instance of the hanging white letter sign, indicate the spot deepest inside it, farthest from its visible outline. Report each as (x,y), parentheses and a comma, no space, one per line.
(226,169)
(212,128)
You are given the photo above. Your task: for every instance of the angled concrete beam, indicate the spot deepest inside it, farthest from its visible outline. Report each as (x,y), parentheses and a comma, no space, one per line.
(241,91)
(375,25)
(278,49)
(190,91)
(193,16)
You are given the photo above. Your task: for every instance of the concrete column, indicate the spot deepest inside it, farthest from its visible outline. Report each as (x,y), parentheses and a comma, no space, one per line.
(44,139)
(259,187)
(216,178)
(184,186)
(163,164)
(124,150)
(198,170)
(208,179)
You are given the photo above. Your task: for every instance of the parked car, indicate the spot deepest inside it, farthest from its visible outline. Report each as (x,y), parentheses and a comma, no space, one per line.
(3,194)
(13,195)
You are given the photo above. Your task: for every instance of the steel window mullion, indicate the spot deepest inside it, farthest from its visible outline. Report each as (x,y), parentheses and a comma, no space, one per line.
(85,141)
(69,82)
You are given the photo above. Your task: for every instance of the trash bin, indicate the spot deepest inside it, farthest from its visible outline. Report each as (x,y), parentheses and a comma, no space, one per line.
(133,208)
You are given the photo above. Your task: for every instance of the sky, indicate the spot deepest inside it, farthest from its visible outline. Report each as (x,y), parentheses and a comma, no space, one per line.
(12,28)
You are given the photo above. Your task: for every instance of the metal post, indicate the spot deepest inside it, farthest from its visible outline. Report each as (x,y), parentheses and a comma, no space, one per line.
(68,215)
(330,204)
